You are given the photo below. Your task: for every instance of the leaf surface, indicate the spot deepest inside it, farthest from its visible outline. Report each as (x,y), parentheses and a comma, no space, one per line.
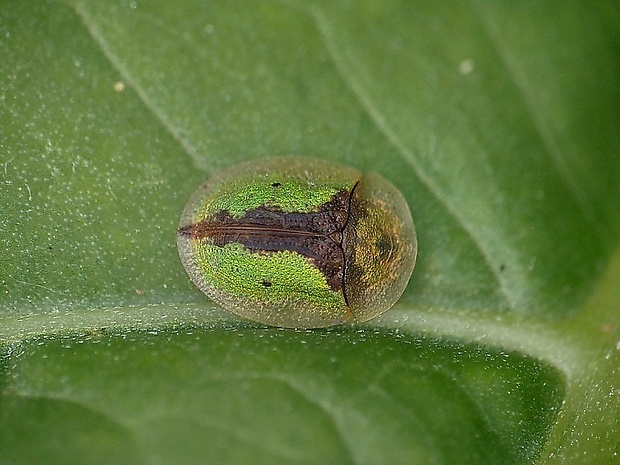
(498,122)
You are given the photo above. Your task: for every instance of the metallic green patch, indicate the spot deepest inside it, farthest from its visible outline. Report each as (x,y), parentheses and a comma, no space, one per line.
(289,195)
(268,277)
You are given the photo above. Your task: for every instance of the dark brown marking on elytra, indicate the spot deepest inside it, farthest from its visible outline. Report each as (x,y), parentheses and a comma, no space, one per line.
(316,235)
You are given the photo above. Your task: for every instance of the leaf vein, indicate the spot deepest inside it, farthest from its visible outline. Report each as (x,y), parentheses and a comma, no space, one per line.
(128,77)
(539,123)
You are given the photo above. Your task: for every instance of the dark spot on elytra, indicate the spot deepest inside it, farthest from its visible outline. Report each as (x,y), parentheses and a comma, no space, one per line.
(266,283)
(502,267)
(384,247)
(275,184)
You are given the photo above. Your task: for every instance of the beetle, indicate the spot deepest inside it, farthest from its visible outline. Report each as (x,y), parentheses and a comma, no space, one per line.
(297,242)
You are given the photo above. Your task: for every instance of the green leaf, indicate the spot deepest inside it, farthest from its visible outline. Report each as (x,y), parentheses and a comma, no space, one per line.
(499,123)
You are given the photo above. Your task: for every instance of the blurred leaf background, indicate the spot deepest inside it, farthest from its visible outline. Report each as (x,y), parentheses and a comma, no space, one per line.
(500,123)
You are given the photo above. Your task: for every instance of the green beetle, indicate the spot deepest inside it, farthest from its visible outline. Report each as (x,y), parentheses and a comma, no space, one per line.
(298,242)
